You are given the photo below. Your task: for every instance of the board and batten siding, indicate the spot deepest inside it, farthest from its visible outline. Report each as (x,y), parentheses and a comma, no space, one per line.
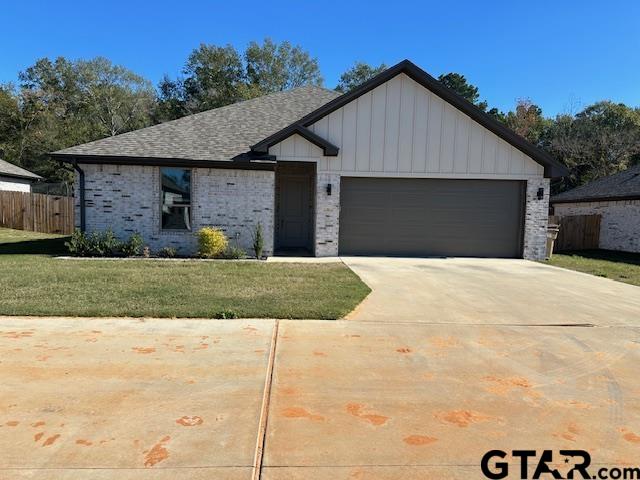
(402,129)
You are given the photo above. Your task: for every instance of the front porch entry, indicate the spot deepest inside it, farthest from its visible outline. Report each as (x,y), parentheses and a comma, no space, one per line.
(295,206)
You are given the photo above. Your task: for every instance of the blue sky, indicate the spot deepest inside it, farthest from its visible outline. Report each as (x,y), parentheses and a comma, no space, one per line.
(560,54)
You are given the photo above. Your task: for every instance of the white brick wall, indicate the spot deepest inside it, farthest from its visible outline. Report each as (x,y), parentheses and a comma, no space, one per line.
(536,218)
(327,214)
(619,225)
(126,198)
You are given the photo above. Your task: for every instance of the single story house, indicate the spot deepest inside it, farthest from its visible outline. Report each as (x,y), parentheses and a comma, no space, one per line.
(616,199)
(398,166)
(16,179)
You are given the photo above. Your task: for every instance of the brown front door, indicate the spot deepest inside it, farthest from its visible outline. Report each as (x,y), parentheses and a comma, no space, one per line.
(294,208)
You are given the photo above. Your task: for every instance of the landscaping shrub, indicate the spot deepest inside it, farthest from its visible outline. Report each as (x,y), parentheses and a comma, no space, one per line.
(167,252)
(258,242)
(226,314)
(103,244)
(212,242)
(233,253)
(78,245)
(133,246)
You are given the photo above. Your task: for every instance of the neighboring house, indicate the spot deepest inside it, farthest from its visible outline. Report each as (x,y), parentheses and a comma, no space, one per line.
(616,199)
(16,179)
(399,166)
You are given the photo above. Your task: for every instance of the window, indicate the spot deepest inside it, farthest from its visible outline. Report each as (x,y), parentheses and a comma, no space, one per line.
(176,198)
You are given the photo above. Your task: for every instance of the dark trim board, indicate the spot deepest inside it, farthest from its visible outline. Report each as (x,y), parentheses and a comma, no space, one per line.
(264,162)
(552,168)
(596,199)
(328,148)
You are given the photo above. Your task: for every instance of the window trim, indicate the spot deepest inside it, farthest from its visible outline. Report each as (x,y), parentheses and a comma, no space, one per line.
(161,202)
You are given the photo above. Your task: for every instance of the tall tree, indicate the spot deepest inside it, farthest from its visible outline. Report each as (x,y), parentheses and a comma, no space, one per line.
(459,84)
(63,103)
(273,68)
(213,77)
(601,140)
(359,73)
(118,99)
(527,121)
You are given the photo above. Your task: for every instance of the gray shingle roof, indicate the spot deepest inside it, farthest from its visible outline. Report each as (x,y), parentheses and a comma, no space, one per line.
(219,134)
(10,170)
(623,185)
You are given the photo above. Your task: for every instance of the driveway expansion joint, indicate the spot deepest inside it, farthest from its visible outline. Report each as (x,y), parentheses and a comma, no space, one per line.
(264,413)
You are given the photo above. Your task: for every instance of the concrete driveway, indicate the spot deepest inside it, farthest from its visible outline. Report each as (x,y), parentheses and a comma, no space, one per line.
(395,399)
(489,291)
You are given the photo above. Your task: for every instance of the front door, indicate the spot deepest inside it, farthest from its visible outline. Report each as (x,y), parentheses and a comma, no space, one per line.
(294,209)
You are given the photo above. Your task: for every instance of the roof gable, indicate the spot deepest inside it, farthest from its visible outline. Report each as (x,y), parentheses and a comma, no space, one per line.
(552,167)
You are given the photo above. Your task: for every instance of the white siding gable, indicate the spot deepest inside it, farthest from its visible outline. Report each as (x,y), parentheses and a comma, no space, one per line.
(402,129)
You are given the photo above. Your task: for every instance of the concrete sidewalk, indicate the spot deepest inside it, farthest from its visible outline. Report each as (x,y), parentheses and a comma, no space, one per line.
(159,398)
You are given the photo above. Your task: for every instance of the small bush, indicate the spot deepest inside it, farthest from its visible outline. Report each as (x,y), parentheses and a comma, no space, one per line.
(258,242)
(146,251)
(78,245)
(233,253)
(226,314)
(212,242)
(133,246)
(103,244)
(167,252)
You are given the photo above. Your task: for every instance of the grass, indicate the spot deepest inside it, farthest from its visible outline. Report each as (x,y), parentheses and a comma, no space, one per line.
(620,266)
(33,283)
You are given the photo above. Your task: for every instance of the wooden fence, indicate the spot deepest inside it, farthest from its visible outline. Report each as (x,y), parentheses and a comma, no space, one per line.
(577,232)
(36,212)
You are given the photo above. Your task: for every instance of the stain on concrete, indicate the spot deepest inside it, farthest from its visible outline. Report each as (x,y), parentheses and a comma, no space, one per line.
(418,440)
(403,350)
(143,350)
(51,440)
(12,423)
(38,436)
(630,436)
(297,412)
(355,409)
(38,424)
(461,418)
(319,354)
(86,443)
(187,421)
(157,453)
(569,433)
(502,386)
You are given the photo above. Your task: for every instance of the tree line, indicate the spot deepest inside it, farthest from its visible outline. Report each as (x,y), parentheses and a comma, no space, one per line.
(59,103)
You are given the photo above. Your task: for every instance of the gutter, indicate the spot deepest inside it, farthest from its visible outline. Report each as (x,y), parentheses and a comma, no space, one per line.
(77,168)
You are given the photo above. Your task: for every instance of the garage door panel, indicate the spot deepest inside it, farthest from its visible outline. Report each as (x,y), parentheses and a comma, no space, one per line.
(423,217)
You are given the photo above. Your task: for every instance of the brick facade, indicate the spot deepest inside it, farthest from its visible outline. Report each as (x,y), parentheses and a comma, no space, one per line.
(327,215)
(536,219)
(126,198)
(619,223)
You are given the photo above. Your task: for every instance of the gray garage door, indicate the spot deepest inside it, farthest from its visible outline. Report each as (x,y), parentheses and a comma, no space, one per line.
(425,217)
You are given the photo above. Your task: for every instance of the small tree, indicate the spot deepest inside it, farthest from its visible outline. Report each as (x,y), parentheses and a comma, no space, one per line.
(258,241)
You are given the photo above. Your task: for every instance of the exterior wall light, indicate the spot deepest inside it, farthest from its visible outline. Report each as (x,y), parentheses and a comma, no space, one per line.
(540,193)
(329,189)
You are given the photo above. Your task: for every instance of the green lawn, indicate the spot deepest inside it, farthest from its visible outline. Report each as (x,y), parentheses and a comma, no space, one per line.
(620,266)
(33,283)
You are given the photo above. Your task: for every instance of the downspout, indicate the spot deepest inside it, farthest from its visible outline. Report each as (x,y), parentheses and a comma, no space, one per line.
(77,168)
